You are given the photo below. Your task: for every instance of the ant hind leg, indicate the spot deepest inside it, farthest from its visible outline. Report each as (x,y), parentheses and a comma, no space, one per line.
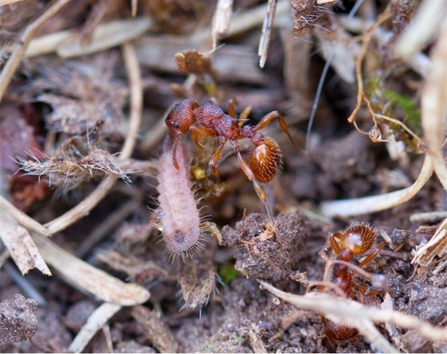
(251,176)
(275,115)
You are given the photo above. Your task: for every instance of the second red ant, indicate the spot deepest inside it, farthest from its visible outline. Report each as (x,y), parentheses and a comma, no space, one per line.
(210,120)
(356,240)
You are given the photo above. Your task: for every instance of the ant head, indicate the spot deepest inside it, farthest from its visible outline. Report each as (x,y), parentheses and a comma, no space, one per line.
(358,238)
(266,160)
(180,117)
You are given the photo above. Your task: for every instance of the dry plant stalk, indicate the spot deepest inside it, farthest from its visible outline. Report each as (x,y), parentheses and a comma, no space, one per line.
(20,245)
(374,132)
(104,37)
(359,206)
(434,106)
(88,278)
(422,28)
(94,323)
(434,116)
(221,20)
(266,32)
(436,247)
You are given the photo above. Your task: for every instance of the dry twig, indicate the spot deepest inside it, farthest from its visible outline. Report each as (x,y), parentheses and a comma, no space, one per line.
(95,322)
(359,206)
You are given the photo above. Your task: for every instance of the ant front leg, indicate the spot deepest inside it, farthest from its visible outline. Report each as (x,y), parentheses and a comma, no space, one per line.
(334,244)
(196,131)
(370,258)
(268,118)
(215,159)
(174,153)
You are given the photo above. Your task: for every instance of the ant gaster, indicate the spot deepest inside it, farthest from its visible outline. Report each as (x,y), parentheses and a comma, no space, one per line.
(209,120)
(356,240)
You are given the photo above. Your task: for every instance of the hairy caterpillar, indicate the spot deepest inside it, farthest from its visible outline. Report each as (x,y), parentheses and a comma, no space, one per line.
(178,214)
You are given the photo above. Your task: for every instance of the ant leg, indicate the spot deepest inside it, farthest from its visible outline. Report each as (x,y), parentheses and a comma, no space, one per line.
(251,176)
(334,244)
(231,110)
(174,154)
(196,131)
(370,258)
(268,118)
(373,255)
(215,159)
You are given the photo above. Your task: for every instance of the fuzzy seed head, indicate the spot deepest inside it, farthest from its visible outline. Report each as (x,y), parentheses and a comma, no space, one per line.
(266,160)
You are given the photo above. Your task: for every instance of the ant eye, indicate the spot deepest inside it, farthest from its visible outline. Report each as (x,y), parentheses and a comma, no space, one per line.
(176,124)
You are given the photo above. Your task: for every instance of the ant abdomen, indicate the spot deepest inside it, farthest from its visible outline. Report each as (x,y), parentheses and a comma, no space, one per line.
(358,239)
(266,160)
(338,332)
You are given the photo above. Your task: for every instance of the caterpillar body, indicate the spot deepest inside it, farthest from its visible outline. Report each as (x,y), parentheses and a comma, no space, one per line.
(178,215)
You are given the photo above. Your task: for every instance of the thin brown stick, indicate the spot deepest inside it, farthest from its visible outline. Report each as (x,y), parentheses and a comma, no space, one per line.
(358,66)
(136,99)
(18,54)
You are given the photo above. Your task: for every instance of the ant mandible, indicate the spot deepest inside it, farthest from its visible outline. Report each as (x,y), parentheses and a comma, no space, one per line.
(210,120)
(356,240)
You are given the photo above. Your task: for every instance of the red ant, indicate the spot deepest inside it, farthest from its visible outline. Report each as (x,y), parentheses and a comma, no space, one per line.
(356,240)
(209,120)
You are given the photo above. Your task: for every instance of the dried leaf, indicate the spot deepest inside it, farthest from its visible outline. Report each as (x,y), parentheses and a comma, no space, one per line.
(198,282)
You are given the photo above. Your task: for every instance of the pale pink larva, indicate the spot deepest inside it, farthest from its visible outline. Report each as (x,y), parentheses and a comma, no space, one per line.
(179,216)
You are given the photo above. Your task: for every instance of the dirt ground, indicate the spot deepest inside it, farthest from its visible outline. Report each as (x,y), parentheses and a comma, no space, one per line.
(83,148)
